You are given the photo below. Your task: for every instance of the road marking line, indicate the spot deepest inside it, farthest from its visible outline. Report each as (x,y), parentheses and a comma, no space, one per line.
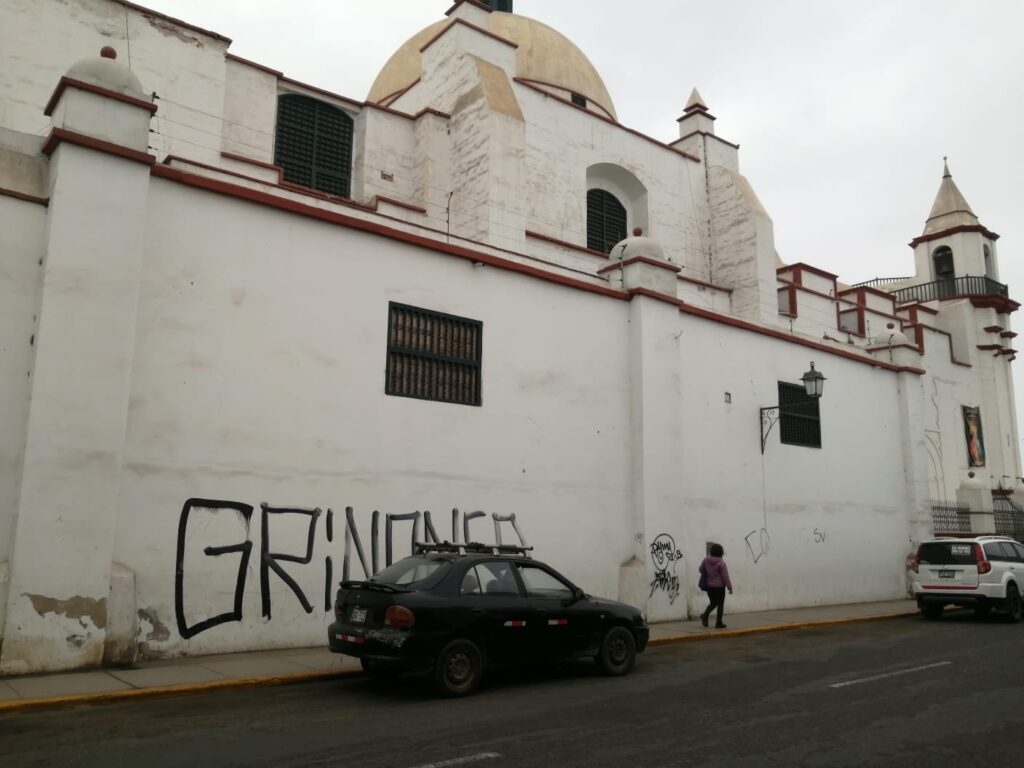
(462,760)
(890,674)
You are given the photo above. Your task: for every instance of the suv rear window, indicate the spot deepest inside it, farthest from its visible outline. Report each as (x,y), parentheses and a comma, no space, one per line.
(947,553)
(414,570)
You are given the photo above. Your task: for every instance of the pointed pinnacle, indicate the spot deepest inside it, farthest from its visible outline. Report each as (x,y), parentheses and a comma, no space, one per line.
(696,101)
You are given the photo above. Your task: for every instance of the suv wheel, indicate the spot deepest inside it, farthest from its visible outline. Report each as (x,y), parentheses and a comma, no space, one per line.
(458,668)
(932,611)
(618,651)
(1014,608)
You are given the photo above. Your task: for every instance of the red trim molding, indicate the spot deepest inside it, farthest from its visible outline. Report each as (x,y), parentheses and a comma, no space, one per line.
(993,328)
(252,161)
(70,82)
(477,3)
(465,23)
(709,135)
(590,100)
(320,91)
(1008,334)
(570,246)
(703,284)
(989,347)
(217,186)
(399,203)
(391,98)
(1000,304)
(707,314)
(584,110)
(640,260)
(952,231)
(59,135)
(807,268)
(254,65)
(43,201)
(179,22)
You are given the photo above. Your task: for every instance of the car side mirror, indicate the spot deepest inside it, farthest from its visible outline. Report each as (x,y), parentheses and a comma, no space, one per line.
(577,595)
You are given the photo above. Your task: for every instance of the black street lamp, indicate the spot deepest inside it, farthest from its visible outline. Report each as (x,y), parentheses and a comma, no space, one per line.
(814,385)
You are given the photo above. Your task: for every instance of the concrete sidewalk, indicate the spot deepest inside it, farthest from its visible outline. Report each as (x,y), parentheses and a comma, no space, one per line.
(204,673)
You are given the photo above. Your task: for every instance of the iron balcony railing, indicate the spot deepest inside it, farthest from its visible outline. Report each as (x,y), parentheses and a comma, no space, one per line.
(882,281)
(947,289)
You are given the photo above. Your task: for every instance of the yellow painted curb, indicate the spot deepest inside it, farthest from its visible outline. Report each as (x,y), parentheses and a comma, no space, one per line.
(23,705)
(716,635)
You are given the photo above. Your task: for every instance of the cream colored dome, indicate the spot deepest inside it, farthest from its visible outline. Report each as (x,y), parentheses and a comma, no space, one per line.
(544,55)
(107,73)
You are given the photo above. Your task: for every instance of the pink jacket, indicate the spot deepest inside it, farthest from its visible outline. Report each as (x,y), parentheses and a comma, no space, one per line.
(717,571)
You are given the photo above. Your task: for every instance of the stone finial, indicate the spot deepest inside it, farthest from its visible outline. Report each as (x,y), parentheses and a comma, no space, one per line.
(696,101)
(107,52)
(945,168)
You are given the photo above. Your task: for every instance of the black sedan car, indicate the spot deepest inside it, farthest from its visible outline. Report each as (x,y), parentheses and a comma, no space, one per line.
(450,610)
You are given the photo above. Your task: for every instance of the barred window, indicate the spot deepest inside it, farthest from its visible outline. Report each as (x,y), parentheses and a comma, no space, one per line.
(433,356)
(799,420)
(606,220)
(578,99)
(313,144)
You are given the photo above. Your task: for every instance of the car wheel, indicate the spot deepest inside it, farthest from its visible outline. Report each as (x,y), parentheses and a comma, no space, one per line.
(618,651)
(458,668)
(1014,609)
(932,611)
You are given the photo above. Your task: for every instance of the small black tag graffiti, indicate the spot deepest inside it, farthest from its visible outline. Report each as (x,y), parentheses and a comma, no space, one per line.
(758,542)
(664,555)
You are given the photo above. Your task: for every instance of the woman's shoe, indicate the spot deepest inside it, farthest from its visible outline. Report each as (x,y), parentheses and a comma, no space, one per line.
(704,619)
(719,625)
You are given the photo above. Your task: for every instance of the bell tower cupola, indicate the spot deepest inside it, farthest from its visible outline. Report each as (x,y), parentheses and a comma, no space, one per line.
(954,243)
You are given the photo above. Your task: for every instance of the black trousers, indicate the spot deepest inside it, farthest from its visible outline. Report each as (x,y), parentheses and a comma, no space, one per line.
(716,596)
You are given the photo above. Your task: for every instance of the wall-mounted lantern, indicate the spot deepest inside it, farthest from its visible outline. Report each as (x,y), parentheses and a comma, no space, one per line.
(814,385)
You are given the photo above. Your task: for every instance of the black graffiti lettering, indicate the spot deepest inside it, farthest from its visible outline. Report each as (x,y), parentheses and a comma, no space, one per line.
(352,537)
(664,555)
(455,525)
(465,523)
(511,518)
(429,534)
(245,548)
(389,538)
(270,561)
(328,579)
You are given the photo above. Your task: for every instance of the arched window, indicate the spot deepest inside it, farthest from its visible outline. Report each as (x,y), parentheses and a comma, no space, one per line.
(314,144)
(942,263)
(990,267)
(606,220)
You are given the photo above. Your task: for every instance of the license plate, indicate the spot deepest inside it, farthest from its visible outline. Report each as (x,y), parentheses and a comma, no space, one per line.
(947,574)
(357,615)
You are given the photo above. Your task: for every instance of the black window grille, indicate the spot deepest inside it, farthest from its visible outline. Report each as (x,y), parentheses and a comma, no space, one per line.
(578,100)
(313,144)
(1009,517)
(606,220)
(500,5)
(799,420)
(433,356)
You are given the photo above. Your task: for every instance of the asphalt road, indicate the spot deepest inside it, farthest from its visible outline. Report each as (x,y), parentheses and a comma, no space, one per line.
(904,692)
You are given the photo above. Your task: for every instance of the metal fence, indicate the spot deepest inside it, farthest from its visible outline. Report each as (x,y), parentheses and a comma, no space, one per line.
(951,518)
(1009,518)
(947,289)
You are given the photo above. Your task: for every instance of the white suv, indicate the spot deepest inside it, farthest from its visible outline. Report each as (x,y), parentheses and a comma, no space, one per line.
(983,572)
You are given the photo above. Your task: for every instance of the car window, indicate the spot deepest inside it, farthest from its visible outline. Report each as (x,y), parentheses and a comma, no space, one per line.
(471,583)
(946,553)
(1018,550)
(495,577)
(413,570)
(994,551)
(540,583)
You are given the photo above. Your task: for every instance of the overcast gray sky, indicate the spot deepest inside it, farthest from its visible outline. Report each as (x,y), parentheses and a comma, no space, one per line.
(843,108)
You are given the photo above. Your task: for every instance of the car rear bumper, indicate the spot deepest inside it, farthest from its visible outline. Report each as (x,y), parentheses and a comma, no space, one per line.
(383,644)
(966,599)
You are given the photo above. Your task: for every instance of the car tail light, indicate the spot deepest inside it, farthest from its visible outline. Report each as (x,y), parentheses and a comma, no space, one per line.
(399,616)
(984,566)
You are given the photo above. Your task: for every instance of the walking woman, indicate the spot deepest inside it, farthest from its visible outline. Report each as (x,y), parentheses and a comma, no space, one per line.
(718,581)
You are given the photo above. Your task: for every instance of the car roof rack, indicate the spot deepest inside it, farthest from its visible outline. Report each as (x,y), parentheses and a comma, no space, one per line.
(471,548)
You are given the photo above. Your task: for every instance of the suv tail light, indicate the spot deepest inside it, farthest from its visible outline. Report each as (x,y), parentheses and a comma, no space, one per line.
(984,566)
(399,616)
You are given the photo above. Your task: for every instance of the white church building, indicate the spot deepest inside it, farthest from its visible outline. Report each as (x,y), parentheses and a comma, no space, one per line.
(256,337)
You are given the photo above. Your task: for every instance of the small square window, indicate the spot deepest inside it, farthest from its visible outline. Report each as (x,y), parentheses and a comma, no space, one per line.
(799,419)
(578,100)
(433,356)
